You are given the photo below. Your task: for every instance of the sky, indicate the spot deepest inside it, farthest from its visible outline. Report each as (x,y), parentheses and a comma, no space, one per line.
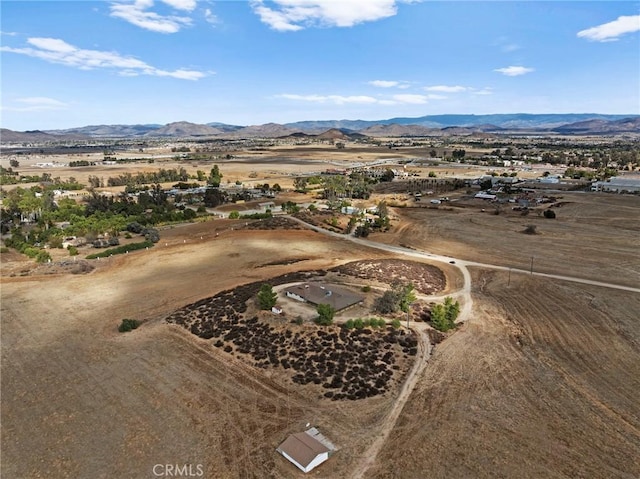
(68,64)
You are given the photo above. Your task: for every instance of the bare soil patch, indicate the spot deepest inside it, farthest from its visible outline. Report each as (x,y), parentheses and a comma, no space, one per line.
(542,382)
(80,399)
(593,237)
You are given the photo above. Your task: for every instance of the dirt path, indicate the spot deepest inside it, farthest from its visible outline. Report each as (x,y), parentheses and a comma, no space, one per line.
(370,455)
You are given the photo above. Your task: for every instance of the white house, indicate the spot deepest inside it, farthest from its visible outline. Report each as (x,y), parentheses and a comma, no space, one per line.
(306,450)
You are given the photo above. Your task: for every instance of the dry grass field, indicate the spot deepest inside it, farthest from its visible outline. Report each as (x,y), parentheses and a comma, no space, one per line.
(542,381)
(594,236)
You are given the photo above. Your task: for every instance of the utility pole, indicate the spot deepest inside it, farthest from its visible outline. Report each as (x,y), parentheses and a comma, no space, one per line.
(532,265)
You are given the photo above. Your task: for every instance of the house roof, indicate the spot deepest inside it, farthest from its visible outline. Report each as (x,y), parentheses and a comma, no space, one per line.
(302,448)
(323,293)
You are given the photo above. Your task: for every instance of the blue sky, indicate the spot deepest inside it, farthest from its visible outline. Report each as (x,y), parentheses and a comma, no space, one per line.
(75,63)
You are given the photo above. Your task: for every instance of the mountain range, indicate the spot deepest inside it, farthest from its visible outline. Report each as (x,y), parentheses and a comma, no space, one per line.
(430,125)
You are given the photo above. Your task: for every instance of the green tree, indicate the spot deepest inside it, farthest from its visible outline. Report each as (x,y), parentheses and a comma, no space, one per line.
(407,297)
(234,215)
(443,316)
(215,176)
(439,318)
(300,184)
(267,297)
(325,314)
(388,175)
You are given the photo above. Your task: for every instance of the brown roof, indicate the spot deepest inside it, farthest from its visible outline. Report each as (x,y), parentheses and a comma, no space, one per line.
(302,448)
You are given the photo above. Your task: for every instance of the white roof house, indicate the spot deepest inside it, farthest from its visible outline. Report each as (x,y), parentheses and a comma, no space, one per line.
(306,450)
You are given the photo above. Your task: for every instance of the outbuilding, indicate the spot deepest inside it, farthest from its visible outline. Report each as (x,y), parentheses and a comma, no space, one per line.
(306,450)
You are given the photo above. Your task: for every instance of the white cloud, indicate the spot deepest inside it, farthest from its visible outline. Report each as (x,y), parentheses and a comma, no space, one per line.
(446,88)
(210,17)
(514,71)
(136,13)
(389,84)
(36,103)
(292,15)
(609,32)
(384,83)
(10,34)
(187,5)
(336,99)
(363,99)
(411,99)
(58,51)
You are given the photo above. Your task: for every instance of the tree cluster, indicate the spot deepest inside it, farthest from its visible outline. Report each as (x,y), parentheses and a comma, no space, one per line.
(398,298)
(443,316)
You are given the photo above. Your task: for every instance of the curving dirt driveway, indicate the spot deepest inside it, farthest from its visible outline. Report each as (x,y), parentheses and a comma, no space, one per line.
(369,456)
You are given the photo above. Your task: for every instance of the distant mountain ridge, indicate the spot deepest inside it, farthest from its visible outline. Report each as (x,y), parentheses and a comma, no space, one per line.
(510,120)
(430,125)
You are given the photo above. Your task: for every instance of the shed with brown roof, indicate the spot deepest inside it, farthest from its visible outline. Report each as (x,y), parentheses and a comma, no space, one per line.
(306,450)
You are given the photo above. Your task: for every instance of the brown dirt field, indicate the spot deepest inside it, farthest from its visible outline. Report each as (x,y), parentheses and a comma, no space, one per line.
(80,399)
(542,382)
(593,236)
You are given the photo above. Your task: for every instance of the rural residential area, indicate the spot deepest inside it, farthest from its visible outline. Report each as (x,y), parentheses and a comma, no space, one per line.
(279,294)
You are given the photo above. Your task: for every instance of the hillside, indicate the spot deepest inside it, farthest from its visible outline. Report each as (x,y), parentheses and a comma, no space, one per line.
(431,125)
(10,136)
(184,129)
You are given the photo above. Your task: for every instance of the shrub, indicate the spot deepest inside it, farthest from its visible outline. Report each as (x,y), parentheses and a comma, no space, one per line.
(325,314)
(234,215)
(4,249)
(530,230)
(366,289)
(128,325)
(151,234)
(121,249)
(549,214)
(55,242)
(395,323)
(30,251)
(189,214)
(43,256)
(73,251)
(135,227)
